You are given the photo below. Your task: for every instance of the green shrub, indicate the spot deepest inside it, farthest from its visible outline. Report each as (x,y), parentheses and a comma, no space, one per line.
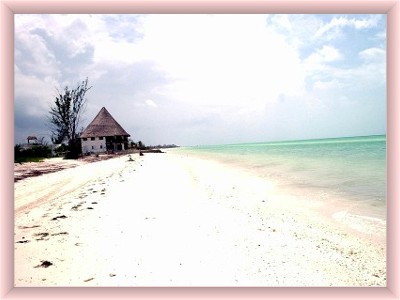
(34,154)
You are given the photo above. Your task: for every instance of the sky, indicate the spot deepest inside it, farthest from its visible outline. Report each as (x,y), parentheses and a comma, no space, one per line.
(206,79)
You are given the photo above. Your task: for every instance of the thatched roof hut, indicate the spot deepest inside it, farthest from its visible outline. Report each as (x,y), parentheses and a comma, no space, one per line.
(104,133)
(103,125)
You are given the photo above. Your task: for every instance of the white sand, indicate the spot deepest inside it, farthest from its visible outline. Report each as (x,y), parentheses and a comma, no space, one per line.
(167,220)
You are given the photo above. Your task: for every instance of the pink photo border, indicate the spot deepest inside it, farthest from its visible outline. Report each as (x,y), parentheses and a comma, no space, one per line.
(10,7)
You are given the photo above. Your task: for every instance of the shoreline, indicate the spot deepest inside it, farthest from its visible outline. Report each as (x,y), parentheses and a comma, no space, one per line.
(376,212)
(167,220)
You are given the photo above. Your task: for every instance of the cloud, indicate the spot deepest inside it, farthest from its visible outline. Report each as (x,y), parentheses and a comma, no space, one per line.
(212,78)
(326,54)
(150,103)
(220,60)
(335,27)
(297,29)
(33,57)
(327,85)
(373,54)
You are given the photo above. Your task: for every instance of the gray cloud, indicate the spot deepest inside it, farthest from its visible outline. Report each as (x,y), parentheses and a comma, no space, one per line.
(27,123)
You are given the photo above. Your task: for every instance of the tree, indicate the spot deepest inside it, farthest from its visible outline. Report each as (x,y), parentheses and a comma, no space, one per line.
(65,116)
(140,145)
(132,143)
(41,141)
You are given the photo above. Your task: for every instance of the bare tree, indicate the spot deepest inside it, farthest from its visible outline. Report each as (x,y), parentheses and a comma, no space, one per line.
(66,114)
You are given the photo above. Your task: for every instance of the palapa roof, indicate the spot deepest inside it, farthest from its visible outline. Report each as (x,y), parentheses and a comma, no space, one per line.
(103,125)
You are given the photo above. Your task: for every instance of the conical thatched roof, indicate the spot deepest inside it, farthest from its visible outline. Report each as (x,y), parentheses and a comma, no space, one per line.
(103,125)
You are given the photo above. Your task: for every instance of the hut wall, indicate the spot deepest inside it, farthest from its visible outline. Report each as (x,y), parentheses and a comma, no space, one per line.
(95,145)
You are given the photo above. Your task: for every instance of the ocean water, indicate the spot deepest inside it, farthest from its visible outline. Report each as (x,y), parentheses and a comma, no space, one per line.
(352,168)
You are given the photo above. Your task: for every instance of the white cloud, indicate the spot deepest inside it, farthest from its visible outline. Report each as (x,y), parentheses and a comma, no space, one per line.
(334,28)
(319,59)
(223,59)
(381,35)
(40,61)
(373,54)
(327,85)
(151,103)
(297,29)
(365,23)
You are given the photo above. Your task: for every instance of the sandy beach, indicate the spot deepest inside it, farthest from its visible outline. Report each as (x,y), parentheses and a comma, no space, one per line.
(164,219)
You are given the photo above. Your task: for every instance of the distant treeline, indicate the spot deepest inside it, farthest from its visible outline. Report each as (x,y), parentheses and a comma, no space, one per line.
(141,146)
(163,146)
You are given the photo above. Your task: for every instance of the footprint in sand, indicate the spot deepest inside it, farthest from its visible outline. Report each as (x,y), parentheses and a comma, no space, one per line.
(42,236)
(22,242)
(28,227)
(44,264)
(59,217)
(59,233)
(76,207)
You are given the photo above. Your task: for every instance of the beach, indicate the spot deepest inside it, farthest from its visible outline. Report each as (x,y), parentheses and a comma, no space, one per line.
(168,219)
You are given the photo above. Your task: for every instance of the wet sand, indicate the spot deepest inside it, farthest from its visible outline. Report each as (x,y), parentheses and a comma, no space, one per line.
(169,220)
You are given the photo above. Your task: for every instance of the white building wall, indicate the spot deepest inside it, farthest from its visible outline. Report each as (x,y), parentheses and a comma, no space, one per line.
(95,145)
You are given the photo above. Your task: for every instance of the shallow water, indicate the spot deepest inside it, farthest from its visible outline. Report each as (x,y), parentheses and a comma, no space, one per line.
(353,168)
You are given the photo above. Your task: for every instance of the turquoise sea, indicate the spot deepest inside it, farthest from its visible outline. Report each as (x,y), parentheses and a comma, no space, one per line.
(353,168)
